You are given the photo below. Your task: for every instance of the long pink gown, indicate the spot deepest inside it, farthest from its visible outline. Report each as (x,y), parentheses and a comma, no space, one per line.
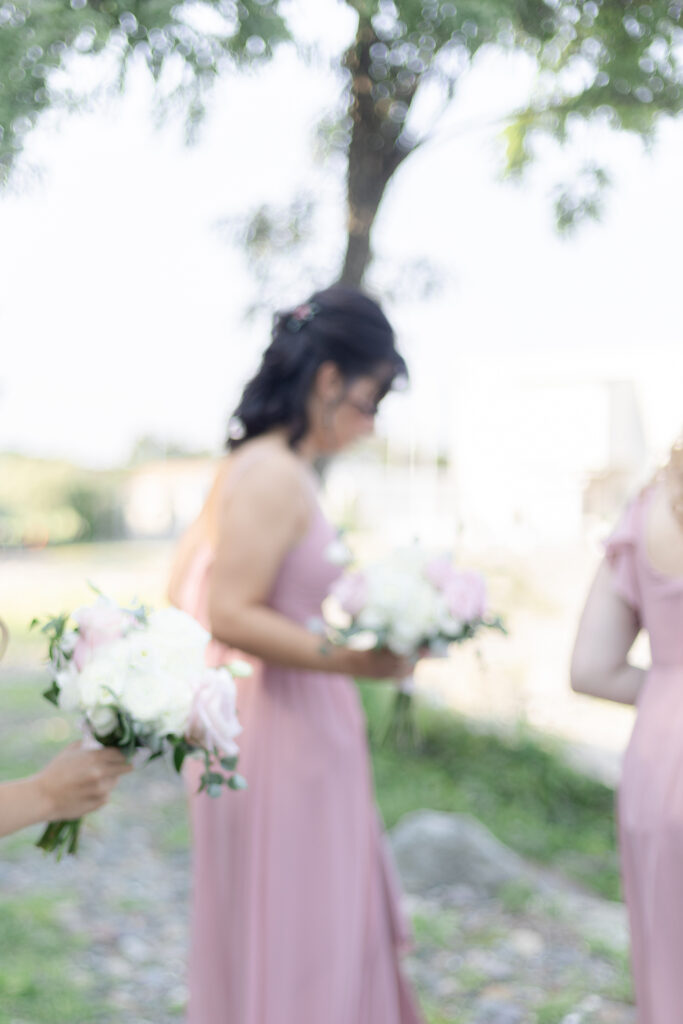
(295,915)
(650,803)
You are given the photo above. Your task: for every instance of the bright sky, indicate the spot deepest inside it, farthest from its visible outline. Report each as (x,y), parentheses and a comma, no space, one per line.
(121,302)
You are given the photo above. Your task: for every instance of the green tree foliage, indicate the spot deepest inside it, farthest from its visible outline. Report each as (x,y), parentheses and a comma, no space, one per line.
(41,37)
(46,501)
(619,61)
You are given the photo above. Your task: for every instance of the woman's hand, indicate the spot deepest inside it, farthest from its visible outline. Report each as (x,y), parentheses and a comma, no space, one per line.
(74,783)
(78,781)
(379,664)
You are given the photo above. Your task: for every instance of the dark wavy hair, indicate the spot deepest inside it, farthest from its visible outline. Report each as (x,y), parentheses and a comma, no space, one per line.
(339,325)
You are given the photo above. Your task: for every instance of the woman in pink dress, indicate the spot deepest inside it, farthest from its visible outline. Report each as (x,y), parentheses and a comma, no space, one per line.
(295,915)
(640,586)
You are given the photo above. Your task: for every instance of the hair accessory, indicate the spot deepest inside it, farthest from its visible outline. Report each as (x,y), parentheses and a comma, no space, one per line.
(236,429)
(301,315)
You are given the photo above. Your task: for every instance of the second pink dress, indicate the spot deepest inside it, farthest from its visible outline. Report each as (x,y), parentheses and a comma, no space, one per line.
(295,914)
(650,803)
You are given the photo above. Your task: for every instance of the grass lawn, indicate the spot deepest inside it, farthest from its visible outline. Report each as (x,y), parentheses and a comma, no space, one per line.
(38,983)
(521,788)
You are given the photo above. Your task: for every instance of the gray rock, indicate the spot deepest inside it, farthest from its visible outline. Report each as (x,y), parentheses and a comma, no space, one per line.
(437,849)
(526,943)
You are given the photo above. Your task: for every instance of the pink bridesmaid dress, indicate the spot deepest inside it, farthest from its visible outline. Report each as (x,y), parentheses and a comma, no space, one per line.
(295,916)
(650,802)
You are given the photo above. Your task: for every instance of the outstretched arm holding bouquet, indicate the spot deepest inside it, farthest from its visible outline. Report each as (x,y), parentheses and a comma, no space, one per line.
(74,783)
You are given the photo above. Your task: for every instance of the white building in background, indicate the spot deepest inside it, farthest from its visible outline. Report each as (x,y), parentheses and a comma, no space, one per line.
(540,450)
(510,453)
(161,498)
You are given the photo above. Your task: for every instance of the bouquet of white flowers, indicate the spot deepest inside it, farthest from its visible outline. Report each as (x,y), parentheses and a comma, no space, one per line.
(414,604)
(139,679)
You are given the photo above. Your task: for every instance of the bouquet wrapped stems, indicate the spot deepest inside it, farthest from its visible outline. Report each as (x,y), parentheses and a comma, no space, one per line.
(61,837)
(402,731)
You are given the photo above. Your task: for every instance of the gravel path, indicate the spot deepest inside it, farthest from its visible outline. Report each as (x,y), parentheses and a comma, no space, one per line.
(524,956)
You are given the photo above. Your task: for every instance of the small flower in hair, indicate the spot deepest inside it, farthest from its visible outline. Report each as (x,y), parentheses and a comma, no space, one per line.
(302,315)
(236,429)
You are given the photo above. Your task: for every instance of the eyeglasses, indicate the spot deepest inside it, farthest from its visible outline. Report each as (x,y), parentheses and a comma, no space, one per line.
(365,408)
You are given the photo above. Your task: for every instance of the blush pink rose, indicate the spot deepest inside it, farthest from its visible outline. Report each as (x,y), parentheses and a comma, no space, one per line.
(213,718)
(352,593)
(98,624)
(440,571)
(465,595)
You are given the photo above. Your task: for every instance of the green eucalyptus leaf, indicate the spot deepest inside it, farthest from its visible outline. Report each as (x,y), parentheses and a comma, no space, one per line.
(237,782)
(179,755)
(52,694)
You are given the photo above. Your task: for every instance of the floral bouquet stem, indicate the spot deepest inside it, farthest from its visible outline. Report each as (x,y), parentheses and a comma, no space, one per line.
(61,837)
(139,679)
(402,732)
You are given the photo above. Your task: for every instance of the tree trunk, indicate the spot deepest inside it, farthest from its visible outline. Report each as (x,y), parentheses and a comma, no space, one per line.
(375,152)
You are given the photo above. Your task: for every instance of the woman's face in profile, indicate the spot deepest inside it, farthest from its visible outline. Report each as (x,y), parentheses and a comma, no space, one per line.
(351,416)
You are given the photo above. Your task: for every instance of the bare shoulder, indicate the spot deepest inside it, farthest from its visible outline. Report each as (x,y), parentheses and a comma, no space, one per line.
(267,478)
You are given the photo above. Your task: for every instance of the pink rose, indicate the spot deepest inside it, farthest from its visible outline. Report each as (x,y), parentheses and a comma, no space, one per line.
(98,624)
(465,594)
(352,592)
(440,571)
(213,718)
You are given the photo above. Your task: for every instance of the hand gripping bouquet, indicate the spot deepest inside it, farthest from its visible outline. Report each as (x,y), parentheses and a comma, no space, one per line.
(415,604)
(140,681)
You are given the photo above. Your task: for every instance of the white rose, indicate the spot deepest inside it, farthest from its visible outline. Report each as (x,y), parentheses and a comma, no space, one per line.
(177,641)
(178,625)
(102,720)
(69,688)
(156,699)
(404,639)
(371,619)
(103,678)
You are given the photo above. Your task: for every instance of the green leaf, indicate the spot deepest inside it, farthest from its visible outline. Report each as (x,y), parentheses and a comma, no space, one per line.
(126,731)
(180,752)
(229,763)
(211,781)
(52,694)
(237,782)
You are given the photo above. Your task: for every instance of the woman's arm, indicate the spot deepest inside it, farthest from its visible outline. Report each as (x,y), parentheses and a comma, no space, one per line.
(74,783)
(606,633)
(260,519)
